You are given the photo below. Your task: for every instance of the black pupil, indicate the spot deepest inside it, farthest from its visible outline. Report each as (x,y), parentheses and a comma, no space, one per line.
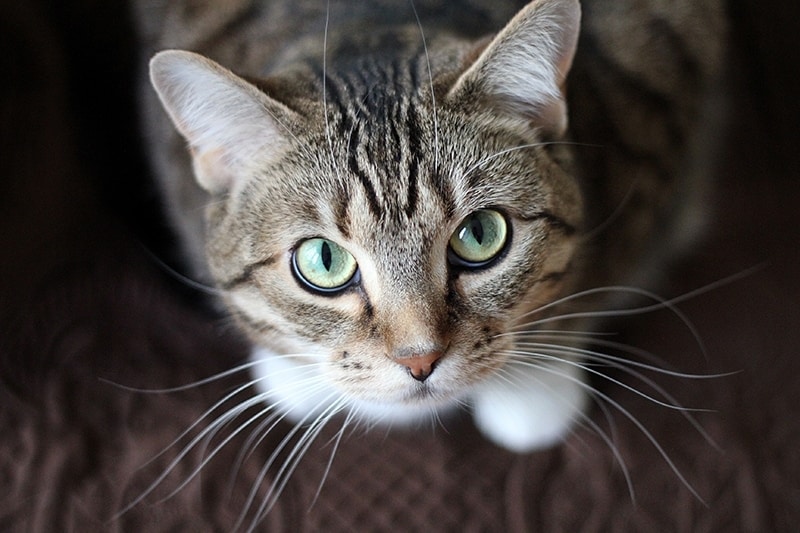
(325,253)
(477,230)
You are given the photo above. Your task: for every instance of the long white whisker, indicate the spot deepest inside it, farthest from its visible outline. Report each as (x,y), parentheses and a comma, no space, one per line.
(264,428)
(174,463)
(336,442)
(221,402)
(209,433)
(204,434)
(584,419)
(313,385)
(609,441)
(263,472)
(325,91)
(501,153)
(631,311)
(274,492)
(433,93)
(317,383)
(195,384)
(295,455)
(620,364)
(636,422)
(194,424)
(586,368)
(222,420)
(662,302)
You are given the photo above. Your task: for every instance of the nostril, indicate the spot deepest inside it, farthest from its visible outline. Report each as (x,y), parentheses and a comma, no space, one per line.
(420,366)
(422,373)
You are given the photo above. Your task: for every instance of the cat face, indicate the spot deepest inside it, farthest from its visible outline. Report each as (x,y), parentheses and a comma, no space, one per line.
(395,231)
(373,266)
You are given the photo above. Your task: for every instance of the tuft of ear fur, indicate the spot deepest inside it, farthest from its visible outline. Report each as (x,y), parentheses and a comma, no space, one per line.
(523,69)
(229,123)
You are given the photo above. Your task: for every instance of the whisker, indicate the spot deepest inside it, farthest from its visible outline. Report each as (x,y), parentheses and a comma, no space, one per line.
(197,422)
(290,463)
(184,279)
(514,149)
(195,384)
(610,441)
(585,419)
(269,463)
(336,442)
(227,398)
(662,302)
(607,358)
(568,333)
(631,311)
(433,93)
(625,412)
(328,136)
(611,218)
(620,364)
(610,420)
(314,384)
(317,383)
(590,370)
(260,432)
(208,432)
(623,365)
(174,463)
(501,153)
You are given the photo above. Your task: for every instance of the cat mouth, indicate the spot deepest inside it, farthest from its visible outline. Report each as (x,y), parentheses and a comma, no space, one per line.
(429,395)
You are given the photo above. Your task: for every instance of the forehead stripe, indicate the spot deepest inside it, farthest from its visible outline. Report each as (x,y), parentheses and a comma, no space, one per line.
(350,129)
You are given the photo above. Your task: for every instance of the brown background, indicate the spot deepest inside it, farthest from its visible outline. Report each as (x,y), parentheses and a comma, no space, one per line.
(82,301)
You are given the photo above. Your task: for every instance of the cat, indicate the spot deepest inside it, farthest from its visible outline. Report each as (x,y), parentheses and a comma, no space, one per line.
(413,207)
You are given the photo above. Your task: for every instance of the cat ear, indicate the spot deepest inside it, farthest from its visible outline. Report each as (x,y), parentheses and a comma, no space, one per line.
(522,70)
(228,122)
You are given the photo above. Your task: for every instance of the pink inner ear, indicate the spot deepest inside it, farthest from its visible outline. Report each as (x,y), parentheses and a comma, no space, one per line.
(211,169)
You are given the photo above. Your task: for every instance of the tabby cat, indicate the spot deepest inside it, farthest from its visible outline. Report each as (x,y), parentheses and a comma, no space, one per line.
(416,206)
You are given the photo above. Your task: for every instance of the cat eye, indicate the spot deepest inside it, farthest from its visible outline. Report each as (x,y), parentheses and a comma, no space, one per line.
(479,239)
(323,265)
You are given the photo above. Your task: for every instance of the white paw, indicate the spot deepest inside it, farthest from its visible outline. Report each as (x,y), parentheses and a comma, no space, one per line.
(529,408)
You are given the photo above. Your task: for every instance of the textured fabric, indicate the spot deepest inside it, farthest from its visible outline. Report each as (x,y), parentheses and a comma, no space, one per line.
(87,315)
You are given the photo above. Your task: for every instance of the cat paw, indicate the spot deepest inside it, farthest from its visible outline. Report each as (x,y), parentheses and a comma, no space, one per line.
(528,408)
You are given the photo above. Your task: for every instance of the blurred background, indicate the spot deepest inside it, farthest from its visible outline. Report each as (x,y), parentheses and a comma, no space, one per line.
(82,298)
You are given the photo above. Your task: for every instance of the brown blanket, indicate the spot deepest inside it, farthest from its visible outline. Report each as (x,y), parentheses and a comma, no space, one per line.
(87,315)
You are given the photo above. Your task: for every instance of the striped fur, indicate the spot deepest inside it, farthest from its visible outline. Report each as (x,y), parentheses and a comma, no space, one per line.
(381,126)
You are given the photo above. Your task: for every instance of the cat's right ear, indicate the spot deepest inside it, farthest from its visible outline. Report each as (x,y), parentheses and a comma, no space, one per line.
(521,73)
(230,124)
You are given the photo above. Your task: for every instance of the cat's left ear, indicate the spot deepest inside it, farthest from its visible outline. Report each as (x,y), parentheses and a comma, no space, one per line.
(523,69)
(229,123)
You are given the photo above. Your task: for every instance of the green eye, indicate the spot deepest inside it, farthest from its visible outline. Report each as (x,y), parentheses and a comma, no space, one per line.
(323,265)
(478,239)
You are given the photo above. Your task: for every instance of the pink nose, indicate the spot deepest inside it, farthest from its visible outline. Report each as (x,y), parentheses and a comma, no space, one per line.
(420,366)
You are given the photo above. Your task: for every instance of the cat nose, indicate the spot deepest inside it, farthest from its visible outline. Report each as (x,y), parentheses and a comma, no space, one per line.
(420,366)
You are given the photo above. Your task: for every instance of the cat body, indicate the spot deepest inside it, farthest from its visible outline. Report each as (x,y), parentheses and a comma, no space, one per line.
(402,203)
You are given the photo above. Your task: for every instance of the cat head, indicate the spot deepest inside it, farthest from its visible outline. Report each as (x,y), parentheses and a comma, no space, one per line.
(393,220)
